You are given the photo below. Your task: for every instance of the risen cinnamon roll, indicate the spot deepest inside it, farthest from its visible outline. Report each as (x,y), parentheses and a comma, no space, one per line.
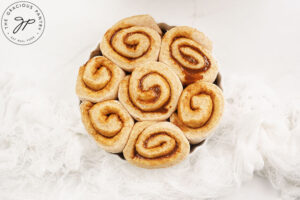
(187,52)
(98,80)
(200,108)
(132,41)
(108,122)
(151,92)
(156,145)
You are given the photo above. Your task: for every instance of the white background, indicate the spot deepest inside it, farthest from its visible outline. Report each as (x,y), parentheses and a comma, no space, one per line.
(250,37)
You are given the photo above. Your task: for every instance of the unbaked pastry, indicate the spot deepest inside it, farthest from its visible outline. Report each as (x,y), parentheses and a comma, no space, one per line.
(156,145)
(132,41)
(200,108)
(188,52)
(151,92)
(98,80)
(169,118)
(108,122)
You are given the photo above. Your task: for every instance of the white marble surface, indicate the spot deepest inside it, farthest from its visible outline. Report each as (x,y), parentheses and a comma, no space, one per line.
(250,37)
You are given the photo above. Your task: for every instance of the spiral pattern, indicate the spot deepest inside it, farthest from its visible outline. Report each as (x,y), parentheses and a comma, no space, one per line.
(187,52)
(200,108)
(155,145)
(151,92)
(132,41)
(108,122)
(98,80)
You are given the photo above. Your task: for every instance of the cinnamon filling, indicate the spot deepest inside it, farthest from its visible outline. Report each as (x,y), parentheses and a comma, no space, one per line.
(108,137)
(157,92)
(137,155)
(191,75)
(95,73)
(131,46)
(212,111)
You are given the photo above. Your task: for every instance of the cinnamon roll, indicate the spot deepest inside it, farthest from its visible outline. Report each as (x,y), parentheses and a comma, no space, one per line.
(200,108)
(132,41)
(108,122)
(151,92)
(98,80)
(156,145)
(188,52)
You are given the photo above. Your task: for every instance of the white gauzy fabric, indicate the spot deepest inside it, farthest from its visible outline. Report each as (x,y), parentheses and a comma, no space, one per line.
(45,153)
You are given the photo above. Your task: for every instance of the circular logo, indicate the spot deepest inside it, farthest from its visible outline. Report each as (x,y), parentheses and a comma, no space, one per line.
(23,23)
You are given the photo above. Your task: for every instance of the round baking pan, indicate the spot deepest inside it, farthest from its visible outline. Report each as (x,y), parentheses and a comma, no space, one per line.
(164,27)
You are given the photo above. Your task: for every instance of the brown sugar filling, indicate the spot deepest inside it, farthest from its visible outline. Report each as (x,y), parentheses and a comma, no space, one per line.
(191,75)
(157,92)
(130,45)
(107,117)
(137,155)
(91,89)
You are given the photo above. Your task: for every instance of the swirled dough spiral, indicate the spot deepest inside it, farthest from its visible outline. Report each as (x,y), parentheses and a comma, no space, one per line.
(200,108)
(108,122)
(151,92)
(187,52)
(156,145)
(98,80)
(132,41)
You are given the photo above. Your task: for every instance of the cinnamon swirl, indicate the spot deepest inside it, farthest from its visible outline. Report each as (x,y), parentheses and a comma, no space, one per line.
(151,92)
(200,108)
(108,122)
(98,80)
(156,145)
(188,52)
(132,41)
